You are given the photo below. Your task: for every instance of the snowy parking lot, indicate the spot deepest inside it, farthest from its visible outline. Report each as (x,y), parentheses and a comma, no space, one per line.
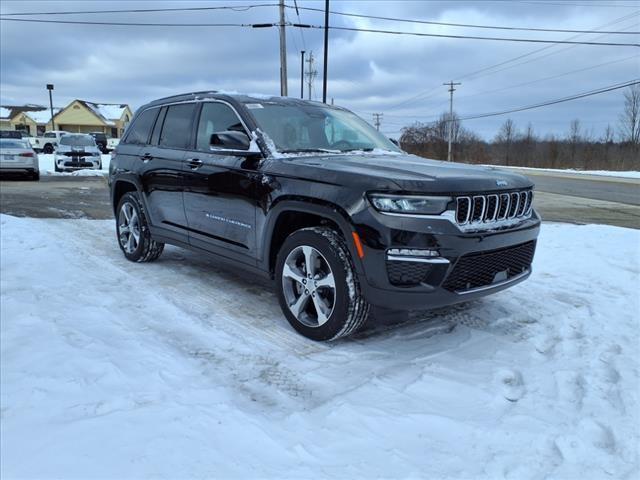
(183,369)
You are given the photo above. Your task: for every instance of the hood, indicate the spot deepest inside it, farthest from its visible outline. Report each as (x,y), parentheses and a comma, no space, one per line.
(409,173)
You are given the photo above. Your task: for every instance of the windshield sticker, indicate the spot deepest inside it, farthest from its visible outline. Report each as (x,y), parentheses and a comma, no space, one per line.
(252,106)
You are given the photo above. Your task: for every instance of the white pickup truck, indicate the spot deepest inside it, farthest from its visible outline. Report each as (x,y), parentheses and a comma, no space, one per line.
(48,142)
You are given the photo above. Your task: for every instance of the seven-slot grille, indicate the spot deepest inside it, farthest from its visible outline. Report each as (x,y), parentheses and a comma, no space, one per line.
(477,210)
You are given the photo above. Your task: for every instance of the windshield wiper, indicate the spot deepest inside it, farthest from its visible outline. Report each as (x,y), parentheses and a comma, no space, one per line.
(309,150)
(359,150)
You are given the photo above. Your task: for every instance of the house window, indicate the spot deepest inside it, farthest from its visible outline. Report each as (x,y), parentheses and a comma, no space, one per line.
(41,129)
(114,133)
(23,128)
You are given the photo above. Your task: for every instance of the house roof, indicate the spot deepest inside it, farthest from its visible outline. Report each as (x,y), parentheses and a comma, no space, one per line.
(109,112)
(36,112)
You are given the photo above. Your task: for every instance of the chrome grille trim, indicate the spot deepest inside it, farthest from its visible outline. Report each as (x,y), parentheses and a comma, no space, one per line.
(493,210)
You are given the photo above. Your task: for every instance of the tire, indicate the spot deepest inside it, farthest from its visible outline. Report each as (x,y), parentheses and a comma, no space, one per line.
(345,310)
(131,218)
(55,166)
(48,148)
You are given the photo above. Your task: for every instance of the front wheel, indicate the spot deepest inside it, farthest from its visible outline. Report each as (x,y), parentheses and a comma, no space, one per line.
(317,285)
(132,229)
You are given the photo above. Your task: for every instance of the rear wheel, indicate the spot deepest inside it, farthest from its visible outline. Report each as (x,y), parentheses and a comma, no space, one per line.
(317,285)
(48,148)
(133,233)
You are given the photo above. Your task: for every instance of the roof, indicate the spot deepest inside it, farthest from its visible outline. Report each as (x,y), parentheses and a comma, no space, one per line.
(235,96)
(108,112)
(36,112)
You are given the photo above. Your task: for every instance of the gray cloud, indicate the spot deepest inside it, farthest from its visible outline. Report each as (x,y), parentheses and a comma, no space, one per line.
(367,72)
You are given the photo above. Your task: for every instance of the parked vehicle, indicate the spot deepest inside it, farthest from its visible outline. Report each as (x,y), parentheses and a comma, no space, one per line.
(314,197)
(17,156)
(77,151)
(11,134)
(49,141)
(101,141)
(112,143)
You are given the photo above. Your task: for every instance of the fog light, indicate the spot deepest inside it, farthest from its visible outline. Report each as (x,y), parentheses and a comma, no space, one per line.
(413,252)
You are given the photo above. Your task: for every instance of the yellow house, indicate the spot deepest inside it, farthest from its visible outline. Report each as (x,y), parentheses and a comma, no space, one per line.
(80,116)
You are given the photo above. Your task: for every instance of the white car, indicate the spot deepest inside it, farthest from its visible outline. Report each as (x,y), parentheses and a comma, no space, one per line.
(17,156)
(112,143)
(49,141)
(77,151)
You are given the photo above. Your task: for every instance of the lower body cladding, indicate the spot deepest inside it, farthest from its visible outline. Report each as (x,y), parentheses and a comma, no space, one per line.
(412,263)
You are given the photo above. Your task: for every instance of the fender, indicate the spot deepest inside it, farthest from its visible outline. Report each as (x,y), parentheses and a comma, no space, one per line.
(130,178)
(323,209)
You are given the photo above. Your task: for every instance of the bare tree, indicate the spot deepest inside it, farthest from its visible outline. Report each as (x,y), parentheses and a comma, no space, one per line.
(574,138)
(607,138)
(505,136)
(630,117)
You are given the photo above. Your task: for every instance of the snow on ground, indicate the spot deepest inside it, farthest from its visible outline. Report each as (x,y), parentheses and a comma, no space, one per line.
(181,369)
(606,173)
(47,168)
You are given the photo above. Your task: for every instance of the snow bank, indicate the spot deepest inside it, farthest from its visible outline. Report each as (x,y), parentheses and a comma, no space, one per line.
(181,369)
(47,167)
(606,173)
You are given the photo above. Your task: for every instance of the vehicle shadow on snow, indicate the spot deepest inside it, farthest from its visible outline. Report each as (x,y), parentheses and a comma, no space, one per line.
(253,303)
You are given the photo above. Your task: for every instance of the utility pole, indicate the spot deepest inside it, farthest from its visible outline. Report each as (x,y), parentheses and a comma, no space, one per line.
(377,117)
(451,90)
(326,50)
(301,73)
(283,53)
(311,73)
(50,88)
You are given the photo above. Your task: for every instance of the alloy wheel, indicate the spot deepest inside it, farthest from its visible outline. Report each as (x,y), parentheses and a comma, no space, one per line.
(309,286)
(129,227)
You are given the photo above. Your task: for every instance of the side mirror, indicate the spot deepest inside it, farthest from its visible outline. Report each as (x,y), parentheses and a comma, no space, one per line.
(229,140)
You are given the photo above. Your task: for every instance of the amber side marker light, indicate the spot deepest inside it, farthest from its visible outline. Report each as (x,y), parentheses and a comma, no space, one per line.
(356,240)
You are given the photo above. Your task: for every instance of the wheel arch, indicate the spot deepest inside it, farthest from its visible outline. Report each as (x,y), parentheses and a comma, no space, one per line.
(119,188)
(291,214)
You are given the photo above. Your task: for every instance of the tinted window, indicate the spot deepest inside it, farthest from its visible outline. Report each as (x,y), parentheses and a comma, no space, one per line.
(49,135)
(216,117)
(141,128)
(176,130)
(6,143)
(77,140)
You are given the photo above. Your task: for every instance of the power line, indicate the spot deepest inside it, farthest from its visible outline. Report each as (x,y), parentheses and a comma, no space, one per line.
(464,25)
(136,24)
(473,37)
(238,8)
(428,93)
(553,102)
(351,29)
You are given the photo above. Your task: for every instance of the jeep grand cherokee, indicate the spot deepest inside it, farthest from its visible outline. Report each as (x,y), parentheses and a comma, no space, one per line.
(314,197)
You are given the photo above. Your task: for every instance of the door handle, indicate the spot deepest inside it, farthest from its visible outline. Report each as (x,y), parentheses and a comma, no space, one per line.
(146,157)
(194,163)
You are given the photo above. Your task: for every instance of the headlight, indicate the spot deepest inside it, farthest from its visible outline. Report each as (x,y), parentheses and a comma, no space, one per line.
(409,204)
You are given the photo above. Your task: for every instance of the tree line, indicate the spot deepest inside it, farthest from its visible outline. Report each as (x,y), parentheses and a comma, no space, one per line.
(614,149)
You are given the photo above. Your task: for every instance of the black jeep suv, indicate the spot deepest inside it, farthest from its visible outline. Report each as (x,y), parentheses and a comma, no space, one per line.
(314,197)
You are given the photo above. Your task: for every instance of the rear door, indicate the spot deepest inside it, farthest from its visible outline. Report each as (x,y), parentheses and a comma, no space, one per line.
(219,194)
(162,174)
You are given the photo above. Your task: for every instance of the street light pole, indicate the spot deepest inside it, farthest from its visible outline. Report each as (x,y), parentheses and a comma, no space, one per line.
(451,90)
(326,50)
(50,88)
(283,53)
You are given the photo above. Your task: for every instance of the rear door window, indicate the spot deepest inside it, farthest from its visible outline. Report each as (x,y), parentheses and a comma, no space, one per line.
(176,130)
(141,128)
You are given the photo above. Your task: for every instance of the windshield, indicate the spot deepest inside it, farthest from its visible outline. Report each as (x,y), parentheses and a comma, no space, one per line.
(7,143)
(77,140)
(305,127)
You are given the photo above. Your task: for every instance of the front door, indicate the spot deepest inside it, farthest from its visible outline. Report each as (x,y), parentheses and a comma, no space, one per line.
(219,195)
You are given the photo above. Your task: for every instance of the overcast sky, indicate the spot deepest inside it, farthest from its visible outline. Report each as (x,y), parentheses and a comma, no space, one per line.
(399,76)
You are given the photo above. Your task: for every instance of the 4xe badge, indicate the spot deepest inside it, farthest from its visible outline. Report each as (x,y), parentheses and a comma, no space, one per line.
(501,183)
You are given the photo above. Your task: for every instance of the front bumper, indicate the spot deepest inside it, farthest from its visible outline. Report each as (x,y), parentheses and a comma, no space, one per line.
(80,163)
(381,233)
